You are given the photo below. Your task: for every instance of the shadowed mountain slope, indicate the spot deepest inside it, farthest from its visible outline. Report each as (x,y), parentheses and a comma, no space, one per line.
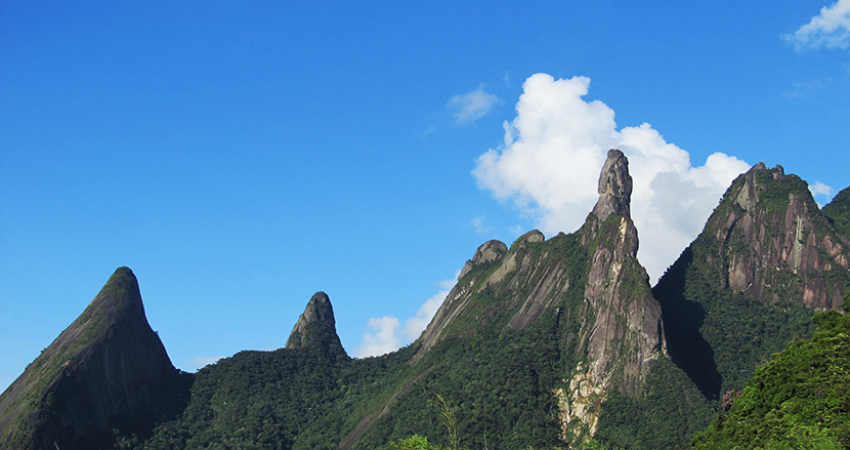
(767,258)
(545,343)
(106,371)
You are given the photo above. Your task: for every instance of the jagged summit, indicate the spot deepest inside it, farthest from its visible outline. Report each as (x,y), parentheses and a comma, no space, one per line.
(107,366)
(615,187)
(488,252)
(590,279)
(316,326)
(628,329)
(767,256)
(768,223)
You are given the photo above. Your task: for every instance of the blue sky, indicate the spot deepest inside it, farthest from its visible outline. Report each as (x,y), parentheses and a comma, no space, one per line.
(240,156)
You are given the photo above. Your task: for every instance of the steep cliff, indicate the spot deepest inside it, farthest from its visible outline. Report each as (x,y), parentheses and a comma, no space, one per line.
(316,326)
(108,370)
(627,331)
(289,398)
(767,258)
(609,325)
(542,344)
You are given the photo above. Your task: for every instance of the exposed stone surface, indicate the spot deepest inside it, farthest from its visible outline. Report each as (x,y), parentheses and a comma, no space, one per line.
(626,334)
(615,187)
(784,232)
(107,366)
(316,325)
(488,252)
(620,321)
(579,404)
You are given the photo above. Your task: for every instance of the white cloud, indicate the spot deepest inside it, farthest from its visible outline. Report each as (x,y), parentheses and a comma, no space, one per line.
(553,151)
(386,338)
(479,225)
(414,327)
(472,105)
(821,190)
(830,29)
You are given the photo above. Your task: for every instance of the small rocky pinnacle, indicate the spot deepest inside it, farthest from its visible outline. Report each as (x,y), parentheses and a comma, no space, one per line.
(319,309)
(615,187)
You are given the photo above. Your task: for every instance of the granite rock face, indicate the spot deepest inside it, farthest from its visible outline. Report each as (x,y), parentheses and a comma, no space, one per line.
(621,330)
(316,327)
(774,242)
(107,369)
(766,260)
(627,332)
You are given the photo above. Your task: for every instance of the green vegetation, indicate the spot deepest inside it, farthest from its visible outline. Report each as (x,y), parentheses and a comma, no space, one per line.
(484,385)
(490,380)
(93,324)
(838,211)
(720,337)
(799,400)
(666,415)
(774,194)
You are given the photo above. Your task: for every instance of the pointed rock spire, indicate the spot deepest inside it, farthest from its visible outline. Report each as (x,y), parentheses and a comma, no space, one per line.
(615,187)
(108,364)
(316,324)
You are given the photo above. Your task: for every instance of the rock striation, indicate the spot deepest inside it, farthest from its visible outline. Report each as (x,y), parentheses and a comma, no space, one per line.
(594,282)
(108,370)
(767,258)
(316,327)
(774,242)
(627,329)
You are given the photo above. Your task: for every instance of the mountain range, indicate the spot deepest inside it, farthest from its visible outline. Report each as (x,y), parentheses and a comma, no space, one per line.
(558,342)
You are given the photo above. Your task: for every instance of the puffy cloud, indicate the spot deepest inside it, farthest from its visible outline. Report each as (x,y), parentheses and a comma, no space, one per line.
(830,29)
(414,327)
(473,105)
(821,190)
(384,340)
(553,150)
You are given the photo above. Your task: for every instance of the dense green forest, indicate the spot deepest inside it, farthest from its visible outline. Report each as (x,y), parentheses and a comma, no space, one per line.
(719,337)
(555,344)
(498,384)
(799,400)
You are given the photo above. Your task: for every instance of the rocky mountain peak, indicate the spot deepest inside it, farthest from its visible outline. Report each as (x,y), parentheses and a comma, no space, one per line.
(614,321)
(316,325)
(768,224)
(488,252)
(615,187)
(107,365)
(748,195)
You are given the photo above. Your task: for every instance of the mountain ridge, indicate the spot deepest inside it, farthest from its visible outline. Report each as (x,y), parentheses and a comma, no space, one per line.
(548,342)
(107,367)
(767,258)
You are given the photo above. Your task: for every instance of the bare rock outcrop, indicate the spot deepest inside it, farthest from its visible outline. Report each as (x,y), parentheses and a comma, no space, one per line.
(316,327)
(776,243)
(107,369)
(620,325)
(627,332)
